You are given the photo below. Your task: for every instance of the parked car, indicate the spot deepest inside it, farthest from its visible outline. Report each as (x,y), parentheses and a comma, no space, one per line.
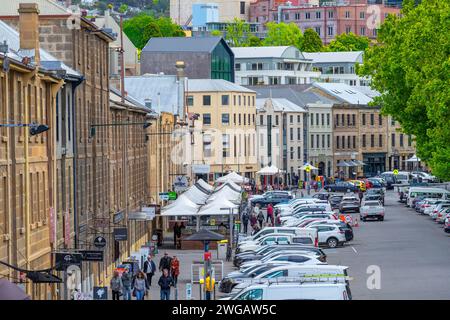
(372,209)
(295,222)
(346,226)
(321,196)
(447,225)
(437,209)
(342,186)
(360,184)
(442,215)
(294,291)
(273,198)
(349,207)
(330,235)
(287,273)
(375,195)
(298,257)
(335,200)
(241,258)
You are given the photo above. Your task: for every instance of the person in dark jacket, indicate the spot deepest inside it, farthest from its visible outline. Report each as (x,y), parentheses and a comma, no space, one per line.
(165,262)
(149,269)
(245,219)
(127,282)
(165,282)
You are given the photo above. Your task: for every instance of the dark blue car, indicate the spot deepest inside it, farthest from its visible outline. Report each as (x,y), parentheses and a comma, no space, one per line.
(342,186)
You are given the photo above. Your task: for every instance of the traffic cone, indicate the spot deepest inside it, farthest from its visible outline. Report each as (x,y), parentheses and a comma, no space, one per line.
(356,224)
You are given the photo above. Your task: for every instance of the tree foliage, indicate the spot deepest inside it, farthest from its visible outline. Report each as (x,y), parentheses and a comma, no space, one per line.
(254,41)
(237,32)
(349,42)
(283,34)
(411,68)
(311,41)
(143,27)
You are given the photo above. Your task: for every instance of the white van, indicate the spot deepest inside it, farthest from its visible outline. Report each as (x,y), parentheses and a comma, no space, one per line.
(295,273)
(400,178)
(435,193)
(294,291)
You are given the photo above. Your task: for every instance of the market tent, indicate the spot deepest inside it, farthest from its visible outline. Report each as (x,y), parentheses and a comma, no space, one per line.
(413,159)
(196,194)
(310,166)
(183,206)
(226,193)
(234,177)
(353,163)
(10,291)
(213,208)
(229,184)
(343,164)
(269,171)
(205,185)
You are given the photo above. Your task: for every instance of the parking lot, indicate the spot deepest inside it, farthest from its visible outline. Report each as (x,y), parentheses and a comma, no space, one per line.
(411,250)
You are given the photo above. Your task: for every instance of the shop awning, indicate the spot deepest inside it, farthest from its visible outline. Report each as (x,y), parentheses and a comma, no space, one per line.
(269,171)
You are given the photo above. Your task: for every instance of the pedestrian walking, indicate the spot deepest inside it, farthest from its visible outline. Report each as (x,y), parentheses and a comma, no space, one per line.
(270,215)
(245,218)
(140,286)
(165,282)
(176,231)
(116,286)
(165,261)
(127,282)
(149,269)
(209,286)
(360,195)
(175,269)
(260,218)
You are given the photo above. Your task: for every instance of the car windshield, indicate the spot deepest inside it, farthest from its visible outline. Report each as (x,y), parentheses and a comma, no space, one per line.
(371,203)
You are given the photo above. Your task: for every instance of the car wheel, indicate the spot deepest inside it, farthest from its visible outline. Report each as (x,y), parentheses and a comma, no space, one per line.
(382,219)
(332,243)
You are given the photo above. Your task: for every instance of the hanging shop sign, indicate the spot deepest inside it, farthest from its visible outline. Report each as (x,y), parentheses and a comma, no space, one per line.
(91,255)
(65,259)
(118,217)
(120,234)
(180,184)
(99,242)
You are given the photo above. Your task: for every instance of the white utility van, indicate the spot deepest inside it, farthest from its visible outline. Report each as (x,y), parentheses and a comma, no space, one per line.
(294,291)
(435,193)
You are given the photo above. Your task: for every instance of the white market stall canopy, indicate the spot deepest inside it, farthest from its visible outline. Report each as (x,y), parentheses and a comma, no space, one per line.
(196,200)
(214,208)
(234,177)
(269,171)
(311,167)
(183,206)
(413,159)
(205,185)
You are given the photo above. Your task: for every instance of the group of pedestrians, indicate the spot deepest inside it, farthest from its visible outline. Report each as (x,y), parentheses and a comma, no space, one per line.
(255,216)
(128,285)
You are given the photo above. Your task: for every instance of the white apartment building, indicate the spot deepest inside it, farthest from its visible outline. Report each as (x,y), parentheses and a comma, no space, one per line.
(280,135)
(338,67)
(272,66)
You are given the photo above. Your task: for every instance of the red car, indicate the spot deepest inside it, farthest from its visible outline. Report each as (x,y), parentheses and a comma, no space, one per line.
(368,183)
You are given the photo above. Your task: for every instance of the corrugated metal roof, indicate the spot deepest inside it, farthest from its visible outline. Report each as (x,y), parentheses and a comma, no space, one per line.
(46,7)
(294,93)
(214,85)
(334,57)
(344,92)
(280,104)
(12,38)
(161,89)
(181,44)
(259,52)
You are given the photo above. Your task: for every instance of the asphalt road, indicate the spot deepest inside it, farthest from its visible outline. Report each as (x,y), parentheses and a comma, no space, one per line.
(411,251)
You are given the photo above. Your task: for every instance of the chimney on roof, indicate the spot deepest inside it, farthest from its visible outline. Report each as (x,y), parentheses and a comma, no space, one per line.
(180,69)
(29,30)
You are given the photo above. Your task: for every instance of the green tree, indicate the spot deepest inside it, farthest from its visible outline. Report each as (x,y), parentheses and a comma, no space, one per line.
(349,42)
(237,31)
(216,33)
(143,27)
(123,8)
(254,41)
(410,67)
(311,41)
(283,34)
